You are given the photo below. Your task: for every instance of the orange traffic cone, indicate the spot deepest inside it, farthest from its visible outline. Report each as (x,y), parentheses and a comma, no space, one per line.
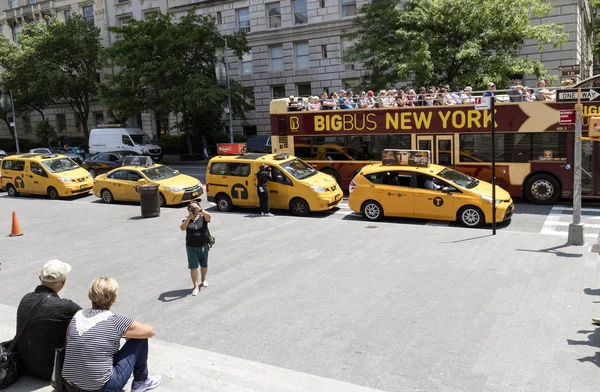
(16,229)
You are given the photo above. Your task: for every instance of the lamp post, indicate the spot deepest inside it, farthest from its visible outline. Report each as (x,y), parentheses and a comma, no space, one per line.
(226,77)
(14,120)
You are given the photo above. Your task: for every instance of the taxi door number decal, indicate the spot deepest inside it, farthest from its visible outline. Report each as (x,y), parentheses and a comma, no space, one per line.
(19,183)
(438,201)
(239,191)
(393,194)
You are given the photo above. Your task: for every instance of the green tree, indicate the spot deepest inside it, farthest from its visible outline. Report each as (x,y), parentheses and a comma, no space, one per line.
(169,67)
(45,133)
(460,42)
(58,61)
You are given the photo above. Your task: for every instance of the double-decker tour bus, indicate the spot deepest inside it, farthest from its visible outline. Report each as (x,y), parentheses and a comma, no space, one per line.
(534,153)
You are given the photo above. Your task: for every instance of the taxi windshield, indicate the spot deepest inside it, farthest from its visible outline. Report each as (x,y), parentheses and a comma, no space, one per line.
(59,165)
(158,173)
(298,169)
(458,178)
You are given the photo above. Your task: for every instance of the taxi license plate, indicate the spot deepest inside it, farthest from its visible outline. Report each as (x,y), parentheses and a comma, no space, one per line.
(194,194)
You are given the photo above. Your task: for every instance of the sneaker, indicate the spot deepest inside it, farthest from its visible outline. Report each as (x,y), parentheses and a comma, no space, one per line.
(205,284)
(269,214)
(262,214)
(150,383)
(596,320)
(195,291)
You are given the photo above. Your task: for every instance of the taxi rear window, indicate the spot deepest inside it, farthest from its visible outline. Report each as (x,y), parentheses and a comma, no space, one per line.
(395,178)
(8,164)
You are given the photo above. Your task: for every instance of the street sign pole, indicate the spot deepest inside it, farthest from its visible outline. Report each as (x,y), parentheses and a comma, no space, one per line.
(576,228)
(14,118)
(492,99)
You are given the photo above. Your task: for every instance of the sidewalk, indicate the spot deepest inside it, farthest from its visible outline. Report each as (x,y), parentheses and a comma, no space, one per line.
(190,369)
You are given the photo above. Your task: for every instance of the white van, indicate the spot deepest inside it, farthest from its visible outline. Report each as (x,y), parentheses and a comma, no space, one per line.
(126,139)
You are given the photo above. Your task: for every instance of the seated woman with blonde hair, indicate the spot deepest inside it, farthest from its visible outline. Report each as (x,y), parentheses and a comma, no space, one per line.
(93,360)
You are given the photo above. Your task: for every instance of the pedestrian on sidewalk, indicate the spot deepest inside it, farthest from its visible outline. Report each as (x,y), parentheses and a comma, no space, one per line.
(93,360)
(47,326)
(205,148)
(196,244)
(262,177)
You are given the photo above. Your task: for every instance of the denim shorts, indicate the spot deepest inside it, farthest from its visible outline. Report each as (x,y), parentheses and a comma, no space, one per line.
(197,256)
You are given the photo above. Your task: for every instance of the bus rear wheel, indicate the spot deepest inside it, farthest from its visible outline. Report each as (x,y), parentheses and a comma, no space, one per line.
(542,189)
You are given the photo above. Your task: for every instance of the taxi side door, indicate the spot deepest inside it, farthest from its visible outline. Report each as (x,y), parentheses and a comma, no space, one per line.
(36,178)
(240,184)
(131,189)
(392,189)
(434,203)
(280,189)
(118,182)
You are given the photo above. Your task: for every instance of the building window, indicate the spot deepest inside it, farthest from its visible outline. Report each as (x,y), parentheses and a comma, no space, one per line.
(219,18)
(250,99)
(324,51)
(148,14)
(247,63)
(88,13)
(322,3)
(30,1)
(276,54)
(348,8)
(302,60)
(304,89)
(300,12)
(243,20)
(123,20)
(67,14)
(61,123)
(274,15)
(99,118)
(345,44)
(16,30)
(278,91)
(13,3)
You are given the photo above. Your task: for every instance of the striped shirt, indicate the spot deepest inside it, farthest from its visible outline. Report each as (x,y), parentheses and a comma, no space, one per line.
(93,340)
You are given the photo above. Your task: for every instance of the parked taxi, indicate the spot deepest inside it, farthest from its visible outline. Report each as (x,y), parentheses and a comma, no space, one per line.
(294,186)
(405,184)
(44,174)
(122,184)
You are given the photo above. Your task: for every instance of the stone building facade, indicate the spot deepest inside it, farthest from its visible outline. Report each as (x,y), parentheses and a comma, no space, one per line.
(296,46)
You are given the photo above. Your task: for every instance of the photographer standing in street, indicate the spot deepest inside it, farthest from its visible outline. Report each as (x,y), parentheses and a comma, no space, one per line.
(196,244)
(263,175)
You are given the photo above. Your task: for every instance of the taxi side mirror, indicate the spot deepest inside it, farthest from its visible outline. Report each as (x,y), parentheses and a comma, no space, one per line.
(447,190)
(177,171)
(142,181)
(279,178)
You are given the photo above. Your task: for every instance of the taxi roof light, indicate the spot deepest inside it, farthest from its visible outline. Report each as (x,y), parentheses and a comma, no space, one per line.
(397,157)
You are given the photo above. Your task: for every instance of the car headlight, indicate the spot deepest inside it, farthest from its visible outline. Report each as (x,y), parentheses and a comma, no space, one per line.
(317,188)
(61,179)
(89,175)
(175,189)
(489,199)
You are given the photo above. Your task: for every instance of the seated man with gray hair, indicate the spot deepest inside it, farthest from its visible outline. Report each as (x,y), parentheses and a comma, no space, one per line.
(48,321)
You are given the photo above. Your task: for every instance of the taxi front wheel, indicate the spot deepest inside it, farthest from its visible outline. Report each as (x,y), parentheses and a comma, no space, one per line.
(299,207)
(372,210)
(471,216)
(52,193)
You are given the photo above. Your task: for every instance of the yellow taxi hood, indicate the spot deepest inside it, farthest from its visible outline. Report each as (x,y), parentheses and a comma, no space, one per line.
(320,179)
(72,174)
(485,189)
(180,180)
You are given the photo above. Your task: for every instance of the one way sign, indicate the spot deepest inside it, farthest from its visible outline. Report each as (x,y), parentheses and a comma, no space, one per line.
(570,95)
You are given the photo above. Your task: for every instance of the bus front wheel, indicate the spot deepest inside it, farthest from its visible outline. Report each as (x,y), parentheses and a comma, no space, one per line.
(542,189)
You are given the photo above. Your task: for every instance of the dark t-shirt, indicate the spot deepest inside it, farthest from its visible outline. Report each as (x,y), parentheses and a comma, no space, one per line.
(45,332)
(195,233)
(262,177)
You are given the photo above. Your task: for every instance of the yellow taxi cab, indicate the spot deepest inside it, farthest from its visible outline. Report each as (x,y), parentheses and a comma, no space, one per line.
(295,185)
(44,174)
(405,184)
(122,184)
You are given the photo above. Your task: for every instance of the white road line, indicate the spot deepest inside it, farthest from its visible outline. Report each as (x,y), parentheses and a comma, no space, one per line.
(567,208)
(586,225)
(550,223)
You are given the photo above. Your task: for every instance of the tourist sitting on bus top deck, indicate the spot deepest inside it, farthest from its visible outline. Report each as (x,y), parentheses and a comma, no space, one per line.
(361,101)
(294,105)
(491,87)
(466,97)
(429,184)
(410,97)
(344,102)
(370,99)
(543,94)
(515,91)
(456,96)
(326,102)
(314,103)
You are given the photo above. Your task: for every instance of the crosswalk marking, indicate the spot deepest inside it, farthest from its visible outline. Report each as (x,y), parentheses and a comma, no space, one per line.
(557,222)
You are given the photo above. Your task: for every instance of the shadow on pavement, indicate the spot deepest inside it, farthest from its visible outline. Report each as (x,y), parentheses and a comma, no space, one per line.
(553,250)
(174,295)
(593,340)
(589,291)
(467,239)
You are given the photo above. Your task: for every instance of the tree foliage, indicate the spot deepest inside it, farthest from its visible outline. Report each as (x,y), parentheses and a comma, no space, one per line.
(460,42)
(169,66)
(54,62)
(46,134)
